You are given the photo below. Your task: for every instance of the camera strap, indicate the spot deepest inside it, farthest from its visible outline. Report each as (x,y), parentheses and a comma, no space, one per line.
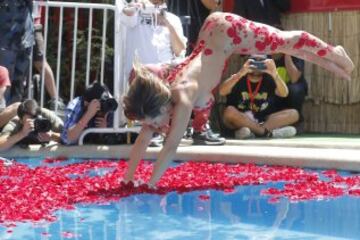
(252,94)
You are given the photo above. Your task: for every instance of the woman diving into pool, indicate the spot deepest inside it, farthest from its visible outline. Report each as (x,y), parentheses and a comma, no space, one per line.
(155,100)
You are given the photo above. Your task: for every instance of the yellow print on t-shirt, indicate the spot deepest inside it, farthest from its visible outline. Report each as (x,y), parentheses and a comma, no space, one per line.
(259,96)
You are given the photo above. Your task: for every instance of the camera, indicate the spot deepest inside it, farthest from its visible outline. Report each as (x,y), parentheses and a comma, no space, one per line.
(107,104)
(151,9)
(41,124)
(258,65)
(149,13)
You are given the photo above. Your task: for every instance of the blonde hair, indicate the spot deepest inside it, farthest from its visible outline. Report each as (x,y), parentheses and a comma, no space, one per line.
(146,95)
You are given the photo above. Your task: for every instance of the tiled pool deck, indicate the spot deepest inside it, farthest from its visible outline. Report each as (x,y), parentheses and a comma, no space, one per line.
(308,151)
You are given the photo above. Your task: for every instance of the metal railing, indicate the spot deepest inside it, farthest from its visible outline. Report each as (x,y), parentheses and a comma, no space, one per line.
(120,84)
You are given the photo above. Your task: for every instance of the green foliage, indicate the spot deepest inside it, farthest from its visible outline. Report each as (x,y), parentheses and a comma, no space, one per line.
(81,43)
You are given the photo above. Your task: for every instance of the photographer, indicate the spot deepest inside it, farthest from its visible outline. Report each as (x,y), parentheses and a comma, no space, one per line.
(33,125)
(154,33)
(250,110)
(92,110)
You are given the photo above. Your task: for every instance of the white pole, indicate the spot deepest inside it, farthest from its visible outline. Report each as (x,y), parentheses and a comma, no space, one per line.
(73,64)
(88,58)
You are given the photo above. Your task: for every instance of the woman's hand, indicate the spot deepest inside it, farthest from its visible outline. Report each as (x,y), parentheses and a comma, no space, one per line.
(28,127)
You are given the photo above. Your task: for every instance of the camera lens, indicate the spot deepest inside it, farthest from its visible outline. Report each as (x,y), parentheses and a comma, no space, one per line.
(108,105)
(42,125)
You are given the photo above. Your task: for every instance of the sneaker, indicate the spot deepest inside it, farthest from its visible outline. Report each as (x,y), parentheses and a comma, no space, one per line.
(284,132)
(188,133)
(244,133)
(207,138)
(157,141)
(60,107)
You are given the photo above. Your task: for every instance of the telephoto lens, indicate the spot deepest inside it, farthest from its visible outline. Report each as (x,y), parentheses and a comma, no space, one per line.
(108,105)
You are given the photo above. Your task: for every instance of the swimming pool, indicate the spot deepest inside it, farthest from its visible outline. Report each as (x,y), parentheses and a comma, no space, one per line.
(244,212)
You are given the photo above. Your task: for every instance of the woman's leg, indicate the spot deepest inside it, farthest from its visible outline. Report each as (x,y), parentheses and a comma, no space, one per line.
(225,33)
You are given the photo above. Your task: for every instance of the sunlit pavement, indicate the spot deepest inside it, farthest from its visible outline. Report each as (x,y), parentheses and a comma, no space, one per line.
(317,152)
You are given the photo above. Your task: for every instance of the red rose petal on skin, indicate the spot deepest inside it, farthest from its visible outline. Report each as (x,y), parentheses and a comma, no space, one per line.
(322,52)
(229,18)
(208,52)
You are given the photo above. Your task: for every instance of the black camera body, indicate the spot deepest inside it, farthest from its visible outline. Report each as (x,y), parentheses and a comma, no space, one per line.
(108,104)
(258,65)
(41,124)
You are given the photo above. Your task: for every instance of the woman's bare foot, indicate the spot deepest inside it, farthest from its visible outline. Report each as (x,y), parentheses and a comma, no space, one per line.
(345,60)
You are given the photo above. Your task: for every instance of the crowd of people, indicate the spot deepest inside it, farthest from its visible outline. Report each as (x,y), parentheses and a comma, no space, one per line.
(170,93)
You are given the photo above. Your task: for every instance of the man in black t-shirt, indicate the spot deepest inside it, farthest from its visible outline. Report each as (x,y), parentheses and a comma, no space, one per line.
(250,94)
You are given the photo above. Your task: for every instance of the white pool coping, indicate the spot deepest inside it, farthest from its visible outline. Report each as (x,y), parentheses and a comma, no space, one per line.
(342,155)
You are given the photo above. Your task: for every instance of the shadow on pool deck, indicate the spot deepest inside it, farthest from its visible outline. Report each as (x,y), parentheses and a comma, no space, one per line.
(317,151)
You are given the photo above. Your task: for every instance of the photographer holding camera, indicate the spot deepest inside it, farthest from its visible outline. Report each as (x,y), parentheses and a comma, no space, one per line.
(250,109)
(154,33)
(32,125)
(94,109)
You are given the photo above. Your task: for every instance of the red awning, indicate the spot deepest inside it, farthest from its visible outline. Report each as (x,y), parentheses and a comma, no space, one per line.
(311,5)
(324,5)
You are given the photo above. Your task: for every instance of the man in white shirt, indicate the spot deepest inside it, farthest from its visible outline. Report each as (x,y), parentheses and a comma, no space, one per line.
(155,34)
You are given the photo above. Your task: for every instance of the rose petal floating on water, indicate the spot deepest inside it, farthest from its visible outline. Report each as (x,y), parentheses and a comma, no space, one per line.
(34,194)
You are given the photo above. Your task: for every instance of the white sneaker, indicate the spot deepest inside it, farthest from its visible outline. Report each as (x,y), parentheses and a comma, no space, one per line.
(284,132)
(244,133)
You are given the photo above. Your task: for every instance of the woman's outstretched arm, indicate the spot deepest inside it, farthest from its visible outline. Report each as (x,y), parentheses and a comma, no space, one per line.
(138,151)
(182,113)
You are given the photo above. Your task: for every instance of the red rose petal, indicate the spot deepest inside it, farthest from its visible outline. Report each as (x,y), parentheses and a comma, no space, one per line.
(34,194)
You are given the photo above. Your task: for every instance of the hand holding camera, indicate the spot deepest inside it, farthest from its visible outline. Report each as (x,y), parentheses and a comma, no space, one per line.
(108,104)
(258,65)
(93,108)
(101,121)
(263,66)
(28,127)
(41,125)
(270,67)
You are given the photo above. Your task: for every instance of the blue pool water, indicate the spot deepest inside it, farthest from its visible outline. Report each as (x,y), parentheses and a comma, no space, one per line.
(244,214)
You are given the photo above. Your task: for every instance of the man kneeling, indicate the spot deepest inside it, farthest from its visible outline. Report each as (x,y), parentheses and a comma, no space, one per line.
(32,125)
(250,111)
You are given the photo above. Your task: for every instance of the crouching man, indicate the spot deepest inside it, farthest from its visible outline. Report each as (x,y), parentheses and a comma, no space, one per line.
(94,109)
(32,125)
